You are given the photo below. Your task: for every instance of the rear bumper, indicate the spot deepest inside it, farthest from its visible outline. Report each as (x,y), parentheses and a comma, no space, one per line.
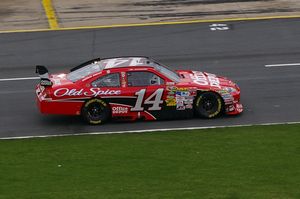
(60,107)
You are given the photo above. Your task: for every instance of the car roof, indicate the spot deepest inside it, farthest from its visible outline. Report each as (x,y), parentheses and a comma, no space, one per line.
(119,62)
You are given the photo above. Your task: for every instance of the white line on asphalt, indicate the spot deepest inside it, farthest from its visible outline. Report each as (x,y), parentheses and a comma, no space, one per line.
(145,131)
(278,65)
(19,78)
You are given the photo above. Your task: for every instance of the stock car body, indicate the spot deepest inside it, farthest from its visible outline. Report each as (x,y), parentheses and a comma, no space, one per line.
(132,88)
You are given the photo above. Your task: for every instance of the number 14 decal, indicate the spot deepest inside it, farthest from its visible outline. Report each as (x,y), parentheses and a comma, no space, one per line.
(157,95)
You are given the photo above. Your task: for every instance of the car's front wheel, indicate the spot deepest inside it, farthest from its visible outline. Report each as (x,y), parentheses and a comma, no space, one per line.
(208,105)
(95,111)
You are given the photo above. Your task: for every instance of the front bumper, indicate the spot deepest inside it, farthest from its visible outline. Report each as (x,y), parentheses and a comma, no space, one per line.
(232,102)
(234,109)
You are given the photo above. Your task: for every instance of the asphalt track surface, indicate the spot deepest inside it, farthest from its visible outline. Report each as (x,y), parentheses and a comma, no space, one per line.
(269,95)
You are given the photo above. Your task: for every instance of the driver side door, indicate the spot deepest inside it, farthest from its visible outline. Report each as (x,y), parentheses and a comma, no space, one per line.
(150,92)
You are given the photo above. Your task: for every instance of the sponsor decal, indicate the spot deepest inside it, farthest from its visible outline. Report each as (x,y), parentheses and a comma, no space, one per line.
(182,89)
(205,80)
(45,82)
(185,98)
(239,108)
(171,101)
(227,97)
(92,92)
(230,108)
(171,88)
(123,79)
(119,110)
(119,62)
(180,105)
(189,106)
(223,92)
(182,98)
(170,83)
(123,74)
(189,101)
(155,99)
(183,93)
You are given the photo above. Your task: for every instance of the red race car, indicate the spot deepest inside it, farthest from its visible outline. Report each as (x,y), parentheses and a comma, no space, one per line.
(131,88)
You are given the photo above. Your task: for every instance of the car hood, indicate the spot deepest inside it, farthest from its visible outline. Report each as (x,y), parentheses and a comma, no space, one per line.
(204,80)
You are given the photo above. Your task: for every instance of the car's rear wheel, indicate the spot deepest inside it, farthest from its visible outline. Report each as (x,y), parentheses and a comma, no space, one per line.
(95,111)
(208,105)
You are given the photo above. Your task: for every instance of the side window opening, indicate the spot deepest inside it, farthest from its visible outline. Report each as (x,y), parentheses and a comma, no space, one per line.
(143,78)
(110,80)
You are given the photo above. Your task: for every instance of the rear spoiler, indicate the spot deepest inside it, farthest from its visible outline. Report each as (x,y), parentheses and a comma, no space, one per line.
(42,71)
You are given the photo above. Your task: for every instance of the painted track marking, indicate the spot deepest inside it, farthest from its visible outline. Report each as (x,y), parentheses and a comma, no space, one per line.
(153,23)
(146,131)
(279,65)
(50,13)
(18,79)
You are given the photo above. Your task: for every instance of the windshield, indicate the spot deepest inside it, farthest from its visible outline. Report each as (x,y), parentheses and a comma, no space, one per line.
(85,71)
(167,72)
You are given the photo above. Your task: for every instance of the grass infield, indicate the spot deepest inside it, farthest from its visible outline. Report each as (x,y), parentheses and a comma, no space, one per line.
(230,163)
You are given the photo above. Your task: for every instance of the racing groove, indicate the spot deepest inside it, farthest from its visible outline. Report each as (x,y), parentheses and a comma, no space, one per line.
(268,94)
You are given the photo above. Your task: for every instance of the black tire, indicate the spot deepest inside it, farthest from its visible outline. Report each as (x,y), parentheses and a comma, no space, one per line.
(95,111)
(208,105)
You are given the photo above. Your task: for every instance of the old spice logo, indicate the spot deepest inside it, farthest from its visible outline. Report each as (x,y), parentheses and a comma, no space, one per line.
(93,92)
(203,80)
(199,78)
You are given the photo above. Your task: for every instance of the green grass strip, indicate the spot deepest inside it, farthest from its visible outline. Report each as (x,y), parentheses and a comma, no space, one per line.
(230,163)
